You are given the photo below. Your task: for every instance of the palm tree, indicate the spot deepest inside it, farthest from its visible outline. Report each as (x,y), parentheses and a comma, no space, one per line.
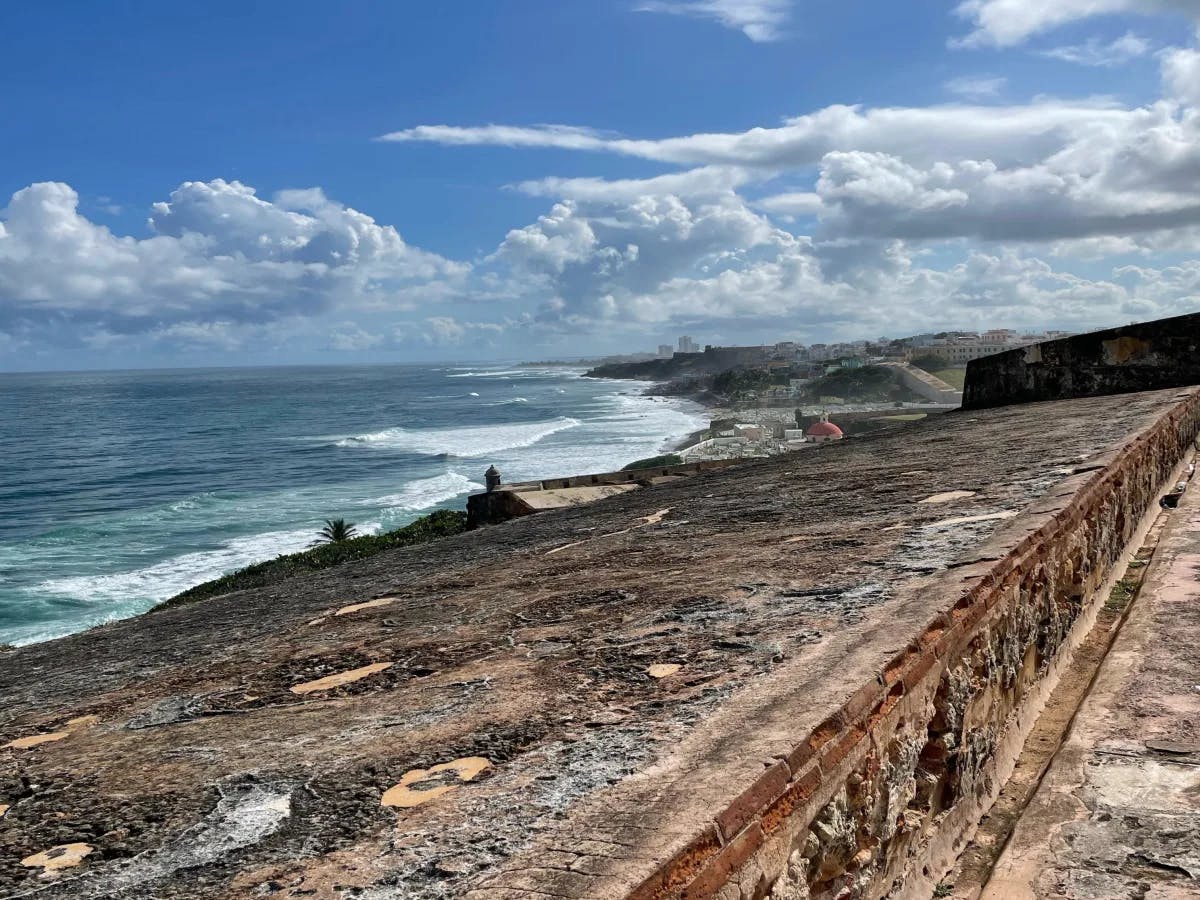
(335,530)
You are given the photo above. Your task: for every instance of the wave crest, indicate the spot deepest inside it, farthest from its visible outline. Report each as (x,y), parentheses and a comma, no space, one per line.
(461,442)
(427,492)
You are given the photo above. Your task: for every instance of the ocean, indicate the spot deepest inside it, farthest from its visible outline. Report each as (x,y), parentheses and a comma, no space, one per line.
(121,489)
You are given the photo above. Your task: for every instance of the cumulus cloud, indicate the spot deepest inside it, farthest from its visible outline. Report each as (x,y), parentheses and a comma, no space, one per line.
(449,331)
(1181,76)
(1006,23)
(1044,171)
(1094,52)
(349,336)
(1113,183)
(759,20)
(592,256)
(217,255)
(792,205)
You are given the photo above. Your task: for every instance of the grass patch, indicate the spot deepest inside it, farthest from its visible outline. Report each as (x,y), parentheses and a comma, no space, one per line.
(654,462)
(439,524)
(1122,593)
(956,378)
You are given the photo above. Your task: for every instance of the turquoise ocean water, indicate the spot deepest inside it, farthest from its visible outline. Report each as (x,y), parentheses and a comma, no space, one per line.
(120,489)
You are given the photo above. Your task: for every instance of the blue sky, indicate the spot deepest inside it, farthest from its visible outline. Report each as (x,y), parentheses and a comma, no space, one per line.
(231,183)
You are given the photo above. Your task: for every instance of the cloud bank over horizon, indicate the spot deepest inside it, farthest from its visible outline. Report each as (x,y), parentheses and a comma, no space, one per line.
(844,221)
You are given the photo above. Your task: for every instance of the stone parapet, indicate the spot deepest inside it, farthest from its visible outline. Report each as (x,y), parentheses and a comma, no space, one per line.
(877,798)
(1147,356)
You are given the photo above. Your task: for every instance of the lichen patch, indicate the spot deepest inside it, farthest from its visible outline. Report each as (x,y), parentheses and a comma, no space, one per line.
(337,680)
(419,786)
(64,856)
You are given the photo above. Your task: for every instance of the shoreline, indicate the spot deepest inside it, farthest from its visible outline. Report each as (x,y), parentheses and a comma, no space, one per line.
(129,591)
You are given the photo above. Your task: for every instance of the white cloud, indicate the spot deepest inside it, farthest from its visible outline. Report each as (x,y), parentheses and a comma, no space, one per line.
(1004,134)
(218,255)
(759,20)
(1045,171)
(592,256)
(1181,76)
(978,87)
(794,204)
(449,331)
(351,337)
(705,180)
(1006,23)
(1133,182)
(1095,52)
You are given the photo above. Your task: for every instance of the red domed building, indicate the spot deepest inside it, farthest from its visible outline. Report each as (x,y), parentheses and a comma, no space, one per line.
(820,432)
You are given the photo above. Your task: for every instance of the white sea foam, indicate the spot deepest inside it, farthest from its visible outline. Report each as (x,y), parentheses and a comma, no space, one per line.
(463,442)
(427,492)
(169,577)
(615,424)
(505,373)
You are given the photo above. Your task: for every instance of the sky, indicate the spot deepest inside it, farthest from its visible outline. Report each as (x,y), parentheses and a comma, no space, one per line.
(225,183)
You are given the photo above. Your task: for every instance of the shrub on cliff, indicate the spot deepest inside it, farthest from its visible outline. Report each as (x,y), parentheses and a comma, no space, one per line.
(439,524)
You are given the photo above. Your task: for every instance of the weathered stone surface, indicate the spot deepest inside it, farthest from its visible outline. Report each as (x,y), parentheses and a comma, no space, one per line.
(822,616)
(1154,355)
(1115,816)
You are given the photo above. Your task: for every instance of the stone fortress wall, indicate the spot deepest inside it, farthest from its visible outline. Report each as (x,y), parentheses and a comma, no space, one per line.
(881,796)
(1146,356)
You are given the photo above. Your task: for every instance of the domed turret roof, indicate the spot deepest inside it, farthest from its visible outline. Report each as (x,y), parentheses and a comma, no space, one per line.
(824,429)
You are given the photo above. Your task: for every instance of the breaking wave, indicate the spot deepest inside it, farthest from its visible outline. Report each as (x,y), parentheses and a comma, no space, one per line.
(462,442)
(171,576)
(427,492)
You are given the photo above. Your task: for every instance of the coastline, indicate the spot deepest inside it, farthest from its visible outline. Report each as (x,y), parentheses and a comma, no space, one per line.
(72,572)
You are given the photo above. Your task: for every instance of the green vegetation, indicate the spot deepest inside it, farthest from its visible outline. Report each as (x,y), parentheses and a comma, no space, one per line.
(733,382)
(909,417)
(336,530)
(654,462)
(930,362)
(1122,593)
(956,378)
(439,524)
(866,383)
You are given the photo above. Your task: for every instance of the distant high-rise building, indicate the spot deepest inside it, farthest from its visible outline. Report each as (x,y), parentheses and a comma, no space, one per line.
(665,351)
(687,345)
